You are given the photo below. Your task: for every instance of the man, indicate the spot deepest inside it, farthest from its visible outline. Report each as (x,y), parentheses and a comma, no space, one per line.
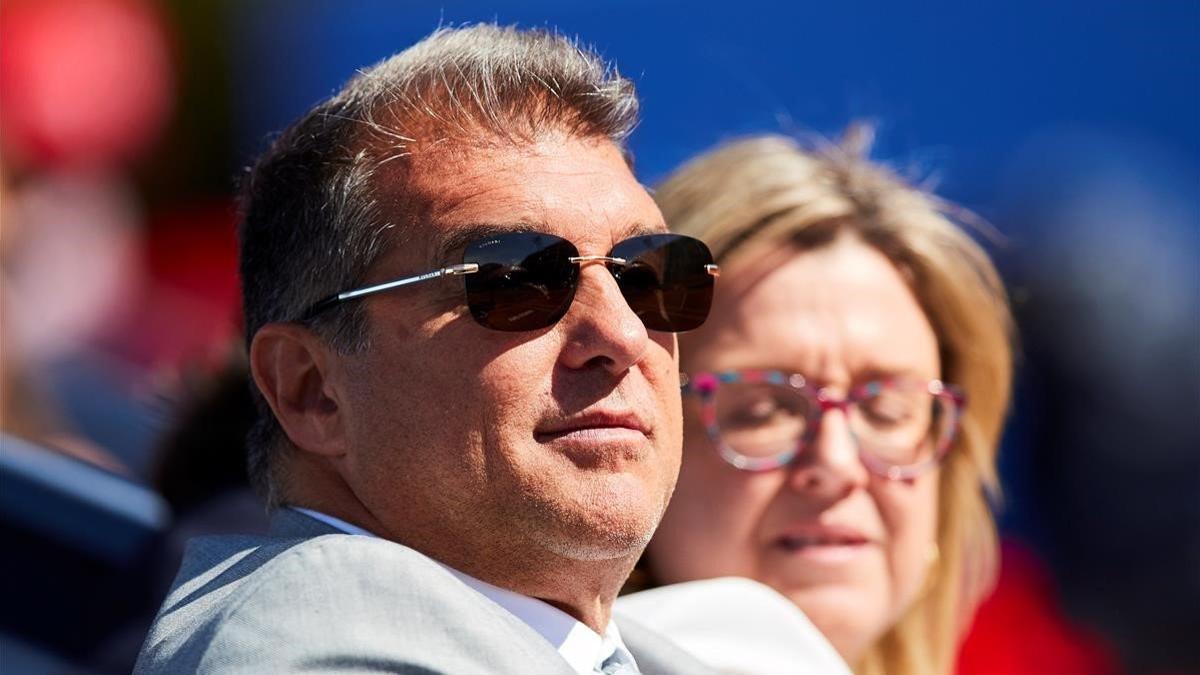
(460,306)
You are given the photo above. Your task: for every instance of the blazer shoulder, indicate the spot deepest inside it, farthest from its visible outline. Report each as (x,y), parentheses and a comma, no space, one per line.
(335,572)
(339,602)
(215,574)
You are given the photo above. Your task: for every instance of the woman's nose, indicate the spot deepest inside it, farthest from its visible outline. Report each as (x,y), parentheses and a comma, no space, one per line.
(830,464)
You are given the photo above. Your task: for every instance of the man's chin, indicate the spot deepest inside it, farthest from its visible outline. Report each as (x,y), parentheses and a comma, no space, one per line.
(609,517)
(599,548)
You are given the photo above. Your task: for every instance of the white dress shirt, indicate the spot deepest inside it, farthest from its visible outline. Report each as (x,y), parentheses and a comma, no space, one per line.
(582,648)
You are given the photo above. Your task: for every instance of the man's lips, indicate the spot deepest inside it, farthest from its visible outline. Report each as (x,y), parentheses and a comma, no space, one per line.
(600,425)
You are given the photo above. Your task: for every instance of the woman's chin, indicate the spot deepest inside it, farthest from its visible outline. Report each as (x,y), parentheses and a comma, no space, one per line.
(850,618)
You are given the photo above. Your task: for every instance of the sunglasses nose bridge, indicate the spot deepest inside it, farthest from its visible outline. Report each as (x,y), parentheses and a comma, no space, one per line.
(586,259)
(603,260)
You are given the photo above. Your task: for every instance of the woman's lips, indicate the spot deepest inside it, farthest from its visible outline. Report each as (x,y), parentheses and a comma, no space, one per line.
(829,544)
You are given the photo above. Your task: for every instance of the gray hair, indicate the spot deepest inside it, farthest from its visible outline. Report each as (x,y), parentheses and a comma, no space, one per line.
(313,221)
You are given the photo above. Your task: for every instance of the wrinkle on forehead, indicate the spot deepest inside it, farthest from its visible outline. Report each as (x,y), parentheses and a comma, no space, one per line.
(578,189)
(835,314)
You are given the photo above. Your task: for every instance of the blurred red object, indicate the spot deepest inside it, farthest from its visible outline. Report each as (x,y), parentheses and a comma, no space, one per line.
(84,83)
(1020,629)
(189,309)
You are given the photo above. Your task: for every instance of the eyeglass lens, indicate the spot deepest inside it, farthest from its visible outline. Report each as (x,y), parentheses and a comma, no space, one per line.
(526,280)
(898,423)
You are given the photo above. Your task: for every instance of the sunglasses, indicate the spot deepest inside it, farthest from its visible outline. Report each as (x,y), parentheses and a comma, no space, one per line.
(522,281)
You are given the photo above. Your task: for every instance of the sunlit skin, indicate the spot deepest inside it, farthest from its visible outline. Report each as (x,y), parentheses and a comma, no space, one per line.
(841,315)
(538,461)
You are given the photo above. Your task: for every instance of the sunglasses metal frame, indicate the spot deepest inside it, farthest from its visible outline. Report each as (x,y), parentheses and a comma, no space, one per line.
(704,385)
(460,269)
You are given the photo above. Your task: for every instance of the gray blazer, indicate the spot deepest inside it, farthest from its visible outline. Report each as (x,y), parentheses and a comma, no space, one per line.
(309,598)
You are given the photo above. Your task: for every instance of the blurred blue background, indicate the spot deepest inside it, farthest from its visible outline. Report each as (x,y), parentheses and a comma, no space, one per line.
(1073,127)
(960,87)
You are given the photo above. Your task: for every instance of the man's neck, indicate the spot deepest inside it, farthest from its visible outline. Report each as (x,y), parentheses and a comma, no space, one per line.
(584,589)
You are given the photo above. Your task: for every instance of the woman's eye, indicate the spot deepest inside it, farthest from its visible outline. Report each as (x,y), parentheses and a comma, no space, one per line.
(756,412)
(887,409)
(761,409)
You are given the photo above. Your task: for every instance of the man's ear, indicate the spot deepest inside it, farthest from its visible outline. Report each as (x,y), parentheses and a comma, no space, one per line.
(292,367)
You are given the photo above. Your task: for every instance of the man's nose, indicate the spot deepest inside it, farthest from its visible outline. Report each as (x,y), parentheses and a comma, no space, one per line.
(830,465)
(601,328)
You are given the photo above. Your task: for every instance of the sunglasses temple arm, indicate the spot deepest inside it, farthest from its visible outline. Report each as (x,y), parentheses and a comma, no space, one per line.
(452,270)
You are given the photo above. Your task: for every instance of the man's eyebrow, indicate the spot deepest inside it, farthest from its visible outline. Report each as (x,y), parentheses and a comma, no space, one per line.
(640,229)
(458,238)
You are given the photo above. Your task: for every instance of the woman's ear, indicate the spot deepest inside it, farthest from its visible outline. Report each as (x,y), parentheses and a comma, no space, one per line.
(291,366)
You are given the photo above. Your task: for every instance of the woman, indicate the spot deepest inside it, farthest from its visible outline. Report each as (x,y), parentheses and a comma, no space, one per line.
(844,401)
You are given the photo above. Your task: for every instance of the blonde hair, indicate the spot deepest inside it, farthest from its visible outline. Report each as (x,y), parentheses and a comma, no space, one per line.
(771,190)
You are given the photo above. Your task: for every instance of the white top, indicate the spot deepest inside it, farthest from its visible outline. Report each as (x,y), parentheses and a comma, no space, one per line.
(583,649)
(737,626)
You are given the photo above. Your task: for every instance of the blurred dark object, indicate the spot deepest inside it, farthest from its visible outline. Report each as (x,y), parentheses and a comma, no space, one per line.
(79,545)
(94,553)
(203,456)
(1108,300)
(201,473)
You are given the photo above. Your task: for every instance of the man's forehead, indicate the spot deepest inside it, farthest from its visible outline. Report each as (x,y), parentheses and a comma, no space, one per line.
(581,190)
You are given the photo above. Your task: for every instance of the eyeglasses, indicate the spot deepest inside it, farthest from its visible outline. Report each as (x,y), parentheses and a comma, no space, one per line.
(761,420)
(521,281)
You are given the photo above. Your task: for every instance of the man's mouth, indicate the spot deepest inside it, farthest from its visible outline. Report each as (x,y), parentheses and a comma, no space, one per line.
(604,438)
(587,434)
(601,425)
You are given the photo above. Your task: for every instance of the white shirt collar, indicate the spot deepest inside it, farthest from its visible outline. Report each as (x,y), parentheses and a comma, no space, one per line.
(582,647)
(336,523)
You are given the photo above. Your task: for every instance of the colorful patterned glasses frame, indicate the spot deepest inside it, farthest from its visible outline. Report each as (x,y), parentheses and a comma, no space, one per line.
(761,420)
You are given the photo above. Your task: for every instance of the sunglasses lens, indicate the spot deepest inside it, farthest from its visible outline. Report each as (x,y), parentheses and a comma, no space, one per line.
(525,281)
(665,280)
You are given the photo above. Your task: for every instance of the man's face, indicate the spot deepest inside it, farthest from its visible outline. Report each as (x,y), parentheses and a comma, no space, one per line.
(470,443)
